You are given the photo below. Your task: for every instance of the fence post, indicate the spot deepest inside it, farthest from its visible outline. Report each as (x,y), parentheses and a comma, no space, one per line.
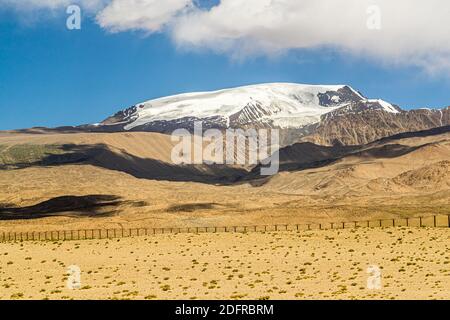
(112,233)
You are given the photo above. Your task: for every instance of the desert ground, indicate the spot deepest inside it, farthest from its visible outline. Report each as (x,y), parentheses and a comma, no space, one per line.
(329,264)
(70,181)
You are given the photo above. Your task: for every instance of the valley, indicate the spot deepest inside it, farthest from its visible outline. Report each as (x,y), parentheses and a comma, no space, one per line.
(404,176)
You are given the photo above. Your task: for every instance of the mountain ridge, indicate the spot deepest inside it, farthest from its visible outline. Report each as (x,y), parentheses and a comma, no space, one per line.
(321,114)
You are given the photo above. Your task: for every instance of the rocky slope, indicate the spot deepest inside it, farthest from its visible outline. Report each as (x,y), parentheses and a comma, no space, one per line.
(362,123)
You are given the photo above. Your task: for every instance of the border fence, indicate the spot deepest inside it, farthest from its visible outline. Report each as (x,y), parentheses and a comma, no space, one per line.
(437,221)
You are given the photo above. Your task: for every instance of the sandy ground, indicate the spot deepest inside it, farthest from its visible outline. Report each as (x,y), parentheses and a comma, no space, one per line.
(332,264)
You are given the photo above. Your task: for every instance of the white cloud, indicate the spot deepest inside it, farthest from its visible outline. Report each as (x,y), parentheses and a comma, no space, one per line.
(413,32)
(148,15)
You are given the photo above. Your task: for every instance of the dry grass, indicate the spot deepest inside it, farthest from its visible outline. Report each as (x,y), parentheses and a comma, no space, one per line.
(328,264)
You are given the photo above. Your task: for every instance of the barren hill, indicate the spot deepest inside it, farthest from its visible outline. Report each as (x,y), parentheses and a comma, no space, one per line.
(123,179)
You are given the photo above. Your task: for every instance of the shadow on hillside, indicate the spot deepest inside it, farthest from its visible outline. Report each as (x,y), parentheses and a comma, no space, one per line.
(193,207)
(387,151)
(93,206)
(101,156)
(303,156)
(415,134)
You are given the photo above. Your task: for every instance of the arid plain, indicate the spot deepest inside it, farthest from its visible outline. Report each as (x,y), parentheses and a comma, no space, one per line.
(54,181)
(331,264)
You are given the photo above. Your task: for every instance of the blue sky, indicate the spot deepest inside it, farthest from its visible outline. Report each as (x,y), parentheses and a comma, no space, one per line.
(51,76)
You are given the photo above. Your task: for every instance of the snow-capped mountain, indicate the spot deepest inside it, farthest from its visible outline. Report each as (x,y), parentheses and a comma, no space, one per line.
(277,105)
(318,113)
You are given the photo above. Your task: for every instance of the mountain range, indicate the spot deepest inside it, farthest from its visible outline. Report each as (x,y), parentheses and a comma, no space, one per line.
(326,115)
(343,157)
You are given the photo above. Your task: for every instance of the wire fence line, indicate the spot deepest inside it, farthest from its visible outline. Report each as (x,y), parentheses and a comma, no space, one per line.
(436,221)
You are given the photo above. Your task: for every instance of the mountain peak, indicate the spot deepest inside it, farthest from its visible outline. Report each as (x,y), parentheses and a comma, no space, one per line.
(281,105)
